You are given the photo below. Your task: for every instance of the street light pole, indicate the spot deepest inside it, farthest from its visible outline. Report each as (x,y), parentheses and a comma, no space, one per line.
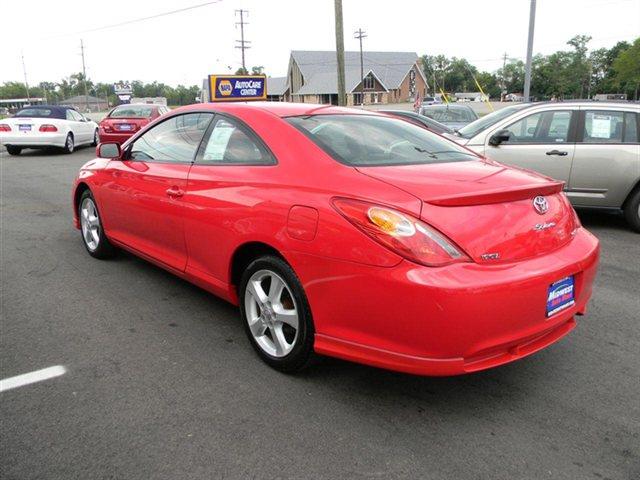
(527,69)
(360,35)
(342,100)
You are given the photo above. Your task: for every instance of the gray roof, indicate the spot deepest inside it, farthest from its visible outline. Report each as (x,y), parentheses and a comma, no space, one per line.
(276,85)
(319,69)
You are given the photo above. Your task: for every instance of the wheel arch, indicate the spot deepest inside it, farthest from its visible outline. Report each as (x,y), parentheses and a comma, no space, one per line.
(631,193)
(80,189)
(244,254)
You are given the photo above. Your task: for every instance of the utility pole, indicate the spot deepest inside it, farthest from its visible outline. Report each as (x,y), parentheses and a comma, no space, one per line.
(243,43)
(360,35)
(342,100)
(527,68)
(84,77)
(504,83)
(26,84)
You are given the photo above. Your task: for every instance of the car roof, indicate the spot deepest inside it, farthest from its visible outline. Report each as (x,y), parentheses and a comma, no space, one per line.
(138,105)
(598,103)
(280,109)
(57,111)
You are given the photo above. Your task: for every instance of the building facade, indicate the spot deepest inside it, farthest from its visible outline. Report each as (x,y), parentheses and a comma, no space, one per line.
(389,77)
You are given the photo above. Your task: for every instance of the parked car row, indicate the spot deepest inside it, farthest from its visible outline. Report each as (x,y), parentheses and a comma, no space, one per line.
(47,126)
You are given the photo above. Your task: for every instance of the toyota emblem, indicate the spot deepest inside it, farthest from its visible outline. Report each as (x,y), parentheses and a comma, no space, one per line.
(540,205)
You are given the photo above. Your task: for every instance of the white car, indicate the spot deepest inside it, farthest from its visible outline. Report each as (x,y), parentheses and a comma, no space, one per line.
(44,126)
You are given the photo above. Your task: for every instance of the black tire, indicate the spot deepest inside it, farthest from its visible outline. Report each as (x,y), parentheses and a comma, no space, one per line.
(69,144)
(104,249)
(632,210)
(96,138)
(13,150)
(301,353)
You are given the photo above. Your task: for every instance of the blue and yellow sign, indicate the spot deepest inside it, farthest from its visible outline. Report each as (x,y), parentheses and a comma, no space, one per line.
(225,88)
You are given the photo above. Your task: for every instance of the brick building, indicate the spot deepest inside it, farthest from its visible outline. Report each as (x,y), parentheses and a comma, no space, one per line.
(389,77)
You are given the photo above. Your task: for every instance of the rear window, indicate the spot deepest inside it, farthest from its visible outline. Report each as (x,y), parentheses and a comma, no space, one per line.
(128,111)
(367,140)
(475,127)
(34,112)
(446,114)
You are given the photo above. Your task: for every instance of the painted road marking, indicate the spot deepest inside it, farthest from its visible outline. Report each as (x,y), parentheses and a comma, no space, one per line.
(32,377)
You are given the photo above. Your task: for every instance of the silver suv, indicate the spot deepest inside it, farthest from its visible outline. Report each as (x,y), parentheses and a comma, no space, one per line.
(592,146)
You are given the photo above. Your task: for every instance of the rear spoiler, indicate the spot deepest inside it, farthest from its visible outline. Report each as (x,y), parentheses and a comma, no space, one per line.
(521,192)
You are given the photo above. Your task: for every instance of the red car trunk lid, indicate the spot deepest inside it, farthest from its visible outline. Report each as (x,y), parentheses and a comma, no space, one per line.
(487,208)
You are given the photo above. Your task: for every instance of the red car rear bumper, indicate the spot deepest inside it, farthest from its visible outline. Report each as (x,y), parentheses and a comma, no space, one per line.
(114,137)
(443,321)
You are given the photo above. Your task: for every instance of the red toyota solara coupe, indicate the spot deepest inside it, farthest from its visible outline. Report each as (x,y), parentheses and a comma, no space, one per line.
(345,233)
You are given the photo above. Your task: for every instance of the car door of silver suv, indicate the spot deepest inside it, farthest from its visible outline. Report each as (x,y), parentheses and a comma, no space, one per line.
(606,164)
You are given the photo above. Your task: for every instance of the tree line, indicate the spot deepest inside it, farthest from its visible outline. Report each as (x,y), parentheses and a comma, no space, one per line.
(572,73)
(565,74)
(58,92)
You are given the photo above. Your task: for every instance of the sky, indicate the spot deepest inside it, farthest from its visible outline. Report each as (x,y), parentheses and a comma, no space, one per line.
(185,47)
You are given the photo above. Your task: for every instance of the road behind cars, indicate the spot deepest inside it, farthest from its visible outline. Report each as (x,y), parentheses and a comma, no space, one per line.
(161,381)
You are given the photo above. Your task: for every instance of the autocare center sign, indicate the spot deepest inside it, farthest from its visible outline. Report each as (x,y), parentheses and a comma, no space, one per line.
(225,88)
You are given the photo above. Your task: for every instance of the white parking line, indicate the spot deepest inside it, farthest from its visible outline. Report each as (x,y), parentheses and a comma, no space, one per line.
(32,377)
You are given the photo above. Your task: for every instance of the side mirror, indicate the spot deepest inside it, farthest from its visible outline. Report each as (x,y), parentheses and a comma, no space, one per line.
(499,137)
(108,150)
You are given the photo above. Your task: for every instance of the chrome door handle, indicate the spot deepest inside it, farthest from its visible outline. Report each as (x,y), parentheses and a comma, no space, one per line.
(174,192)
(557,152)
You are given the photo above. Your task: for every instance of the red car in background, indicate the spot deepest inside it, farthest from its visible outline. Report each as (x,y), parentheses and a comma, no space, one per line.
(125,120)
(346,233)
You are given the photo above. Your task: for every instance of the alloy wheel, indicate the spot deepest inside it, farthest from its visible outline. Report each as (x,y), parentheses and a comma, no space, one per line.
(272,313)
(90,223)
(69,144)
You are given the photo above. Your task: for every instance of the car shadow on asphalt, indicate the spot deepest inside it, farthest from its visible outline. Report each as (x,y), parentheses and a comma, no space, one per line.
(42,152)
(600,218)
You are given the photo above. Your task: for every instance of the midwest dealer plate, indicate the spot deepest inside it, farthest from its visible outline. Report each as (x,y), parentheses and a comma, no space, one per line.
(560,295)
(124,126)
(24,128)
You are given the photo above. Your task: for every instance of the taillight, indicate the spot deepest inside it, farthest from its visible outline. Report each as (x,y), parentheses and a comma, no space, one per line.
(48,128)
(106,127)
(4,127)
(402,233)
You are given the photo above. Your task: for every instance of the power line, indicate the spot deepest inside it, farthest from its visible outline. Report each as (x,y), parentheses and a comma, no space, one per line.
(243,43)
(142,19)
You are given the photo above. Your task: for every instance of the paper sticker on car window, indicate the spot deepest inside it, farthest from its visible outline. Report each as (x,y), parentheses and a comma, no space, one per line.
(218,141)
(601,126)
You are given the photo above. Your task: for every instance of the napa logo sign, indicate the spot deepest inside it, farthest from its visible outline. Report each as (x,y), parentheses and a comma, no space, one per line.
(225,88)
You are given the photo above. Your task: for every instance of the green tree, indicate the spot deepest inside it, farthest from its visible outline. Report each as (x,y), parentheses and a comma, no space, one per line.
(580,69)
(626,69)
(512,76)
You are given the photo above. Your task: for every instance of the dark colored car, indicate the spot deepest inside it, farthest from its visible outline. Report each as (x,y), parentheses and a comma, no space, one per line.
(453,116)
(420,120)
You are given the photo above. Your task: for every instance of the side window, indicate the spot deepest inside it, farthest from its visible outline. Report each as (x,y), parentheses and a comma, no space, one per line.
(542,127)
(174,140)
(630,128)
(70,116)
(601,126)
(524,130)
(229,143)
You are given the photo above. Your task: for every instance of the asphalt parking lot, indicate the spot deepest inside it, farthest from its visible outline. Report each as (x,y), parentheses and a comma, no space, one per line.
(161,382)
